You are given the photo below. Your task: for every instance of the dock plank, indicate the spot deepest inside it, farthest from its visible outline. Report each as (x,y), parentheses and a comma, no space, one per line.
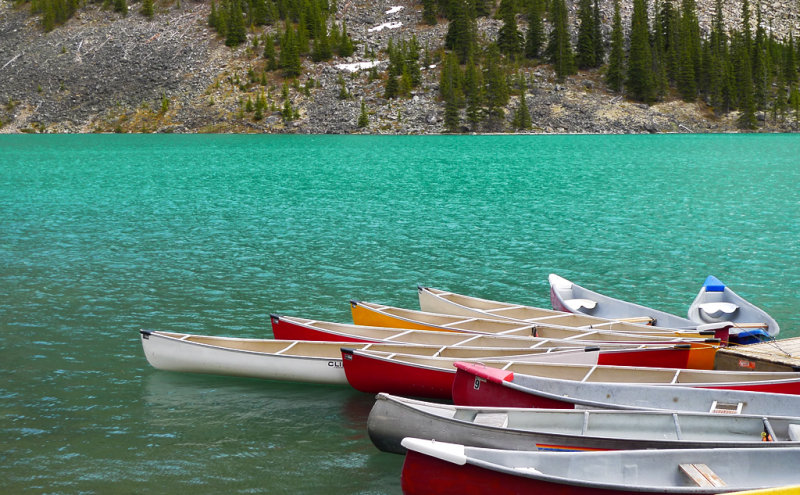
(777,355)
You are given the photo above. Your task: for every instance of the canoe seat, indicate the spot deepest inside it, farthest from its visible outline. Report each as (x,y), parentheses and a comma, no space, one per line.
(497,420)
(794,433)
(577,304)
(702,475)
(718,309)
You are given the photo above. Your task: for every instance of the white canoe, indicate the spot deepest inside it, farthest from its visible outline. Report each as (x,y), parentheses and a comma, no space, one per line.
(289,360)
(314,361)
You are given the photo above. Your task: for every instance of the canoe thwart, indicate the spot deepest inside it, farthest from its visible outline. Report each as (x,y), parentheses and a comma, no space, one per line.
(702,475)
(642,320)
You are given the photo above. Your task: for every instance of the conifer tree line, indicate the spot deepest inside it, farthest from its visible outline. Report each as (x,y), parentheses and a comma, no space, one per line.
(663,55)
(660,54)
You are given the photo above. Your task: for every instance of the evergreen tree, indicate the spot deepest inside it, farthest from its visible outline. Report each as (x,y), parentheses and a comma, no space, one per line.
(48,17)
(302,35)
(322,48)
(452,117)
(257,12)
(462,31)
(482,8)
(392,88)
(235,34)
(719,90)
(506,7)
(689,53)
(794,102)
(744,72)
(345,47)
(599,48)
(761,77)
(450,90)
(363,118)
(147,9)
(121,6)
(289,59)
(615,74)
(429,9)
(640,78)
(411,60)
(668,26)
(586,33)
(658,46)
(559,47)
(522,116)
(509,39)
(269,52)
(473,93)
(496,88)
(790,62)
(534,38)
(218,18)
(450,79)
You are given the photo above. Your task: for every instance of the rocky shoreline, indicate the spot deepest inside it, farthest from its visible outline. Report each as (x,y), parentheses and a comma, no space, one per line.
(104,73)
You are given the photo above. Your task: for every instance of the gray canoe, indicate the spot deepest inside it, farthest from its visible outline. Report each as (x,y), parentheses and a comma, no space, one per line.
(454,469)
(393,418)
(715,303)
(572,298)
(581,395)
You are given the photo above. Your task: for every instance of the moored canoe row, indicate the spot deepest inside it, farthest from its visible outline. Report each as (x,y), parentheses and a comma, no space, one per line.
(695,354)
(374,366)
(516,374)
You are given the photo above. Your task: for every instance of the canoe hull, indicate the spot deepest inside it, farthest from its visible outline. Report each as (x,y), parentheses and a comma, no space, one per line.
(729,306)
(471,390)
(175,355)
(394,418)
(373,375)
(483,386)
(423,475)
(444,468)
(563,291)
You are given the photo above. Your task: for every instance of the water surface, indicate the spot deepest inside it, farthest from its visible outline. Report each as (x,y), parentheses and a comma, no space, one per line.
(103,235)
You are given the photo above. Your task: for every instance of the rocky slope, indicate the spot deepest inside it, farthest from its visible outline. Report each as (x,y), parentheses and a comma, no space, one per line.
(101,72)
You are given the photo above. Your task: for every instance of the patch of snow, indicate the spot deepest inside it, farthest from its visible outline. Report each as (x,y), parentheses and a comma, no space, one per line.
(358,66)
(387,25)
(394,10)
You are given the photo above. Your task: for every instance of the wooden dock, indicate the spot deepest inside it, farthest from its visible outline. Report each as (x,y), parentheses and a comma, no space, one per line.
(777,355)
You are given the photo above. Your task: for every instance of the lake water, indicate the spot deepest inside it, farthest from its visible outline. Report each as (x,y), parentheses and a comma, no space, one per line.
(103,235)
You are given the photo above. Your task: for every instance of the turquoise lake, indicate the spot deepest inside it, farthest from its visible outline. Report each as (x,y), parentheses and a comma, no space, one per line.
(102,235)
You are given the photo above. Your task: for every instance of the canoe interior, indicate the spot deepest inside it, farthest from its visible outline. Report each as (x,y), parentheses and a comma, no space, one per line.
(639,426)
(740,468)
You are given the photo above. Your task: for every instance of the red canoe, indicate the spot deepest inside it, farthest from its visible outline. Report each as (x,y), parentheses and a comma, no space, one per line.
(478,385)
(696,355)
(441,468)
(373,372)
